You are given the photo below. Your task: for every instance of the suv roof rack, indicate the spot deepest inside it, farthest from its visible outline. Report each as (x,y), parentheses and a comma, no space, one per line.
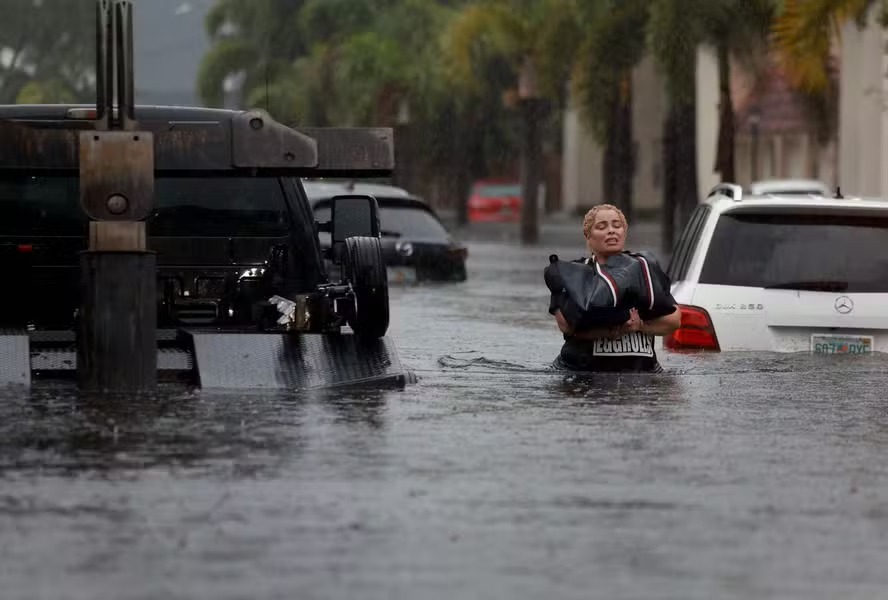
(731,190)
(789,187)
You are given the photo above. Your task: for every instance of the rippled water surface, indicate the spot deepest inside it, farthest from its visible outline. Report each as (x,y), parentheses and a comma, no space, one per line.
(733,476)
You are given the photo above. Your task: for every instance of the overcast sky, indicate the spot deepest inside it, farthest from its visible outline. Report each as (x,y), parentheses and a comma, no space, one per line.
(170,41)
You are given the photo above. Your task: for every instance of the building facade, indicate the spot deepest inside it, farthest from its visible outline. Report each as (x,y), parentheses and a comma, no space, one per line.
(775,137)
(582,181)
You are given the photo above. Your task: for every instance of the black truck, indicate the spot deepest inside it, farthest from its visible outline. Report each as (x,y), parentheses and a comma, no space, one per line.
(224,245)
(237,252)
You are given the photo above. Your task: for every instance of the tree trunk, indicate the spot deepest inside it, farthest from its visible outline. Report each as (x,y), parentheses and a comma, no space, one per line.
(724,160)
(625,174)
(686,187)
(680,189)
(618,165)
(531,170)
(670,198)
(467,142)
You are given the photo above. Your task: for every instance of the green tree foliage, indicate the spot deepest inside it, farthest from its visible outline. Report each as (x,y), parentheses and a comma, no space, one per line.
(677,28)
(259,39)
(47,51)
(458,65)
(804,35)
(611,44)
(804,31)
(362,62)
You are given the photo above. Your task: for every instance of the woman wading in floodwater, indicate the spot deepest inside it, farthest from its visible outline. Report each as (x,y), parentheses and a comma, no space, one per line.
(628,347)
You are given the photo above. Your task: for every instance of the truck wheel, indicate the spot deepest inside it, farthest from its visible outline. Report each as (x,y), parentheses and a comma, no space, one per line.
(366,272)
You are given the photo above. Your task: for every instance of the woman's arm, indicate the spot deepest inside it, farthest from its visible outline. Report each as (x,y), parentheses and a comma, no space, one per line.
(663,326)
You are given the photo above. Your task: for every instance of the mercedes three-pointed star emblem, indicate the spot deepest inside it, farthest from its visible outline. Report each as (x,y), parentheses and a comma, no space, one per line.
(843,305)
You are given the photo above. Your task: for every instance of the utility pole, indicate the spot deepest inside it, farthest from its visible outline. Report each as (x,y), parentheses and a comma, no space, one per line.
(117,322)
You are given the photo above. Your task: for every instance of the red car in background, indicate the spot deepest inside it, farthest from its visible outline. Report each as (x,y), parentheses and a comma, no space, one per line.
(495,200)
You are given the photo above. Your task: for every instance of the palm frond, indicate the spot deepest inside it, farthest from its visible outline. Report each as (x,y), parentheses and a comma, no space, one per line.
(558,45)
(803,34)
(479,32)
(225,58)
(613,45)
(675,31)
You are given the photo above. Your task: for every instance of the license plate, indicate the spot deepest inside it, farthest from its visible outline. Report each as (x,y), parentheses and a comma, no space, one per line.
(401,274)
(841,344)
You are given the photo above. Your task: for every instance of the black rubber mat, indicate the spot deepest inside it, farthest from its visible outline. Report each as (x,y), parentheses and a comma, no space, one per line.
(293,361)
(15,368)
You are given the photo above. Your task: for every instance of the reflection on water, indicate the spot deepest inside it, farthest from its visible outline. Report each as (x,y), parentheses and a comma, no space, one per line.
(728,476)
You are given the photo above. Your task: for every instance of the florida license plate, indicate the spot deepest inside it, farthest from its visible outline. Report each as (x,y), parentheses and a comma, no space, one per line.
(401,274)
(841,344)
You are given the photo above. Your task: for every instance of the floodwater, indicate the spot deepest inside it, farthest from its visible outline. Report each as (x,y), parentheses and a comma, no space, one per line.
(731,476)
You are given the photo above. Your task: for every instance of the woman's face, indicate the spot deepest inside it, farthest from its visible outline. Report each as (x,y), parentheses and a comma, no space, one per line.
(608,234)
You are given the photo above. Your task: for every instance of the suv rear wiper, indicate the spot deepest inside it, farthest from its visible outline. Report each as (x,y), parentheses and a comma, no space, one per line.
(814,286)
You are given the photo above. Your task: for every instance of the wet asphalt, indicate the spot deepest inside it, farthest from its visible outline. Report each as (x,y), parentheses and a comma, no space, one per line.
(729,476)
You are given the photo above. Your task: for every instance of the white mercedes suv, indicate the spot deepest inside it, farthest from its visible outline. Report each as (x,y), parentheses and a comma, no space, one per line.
(782,273)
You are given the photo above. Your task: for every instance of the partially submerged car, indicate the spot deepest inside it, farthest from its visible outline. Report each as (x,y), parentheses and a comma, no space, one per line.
(782,273)
(416,246)
(495,201)
(235,253)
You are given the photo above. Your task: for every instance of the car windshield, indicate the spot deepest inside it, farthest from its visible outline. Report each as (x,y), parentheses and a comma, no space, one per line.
(403,221)
(825,252)
(498,191)
(233,206)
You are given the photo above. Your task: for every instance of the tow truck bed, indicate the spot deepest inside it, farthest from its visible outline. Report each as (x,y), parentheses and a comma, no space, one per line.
(226,359)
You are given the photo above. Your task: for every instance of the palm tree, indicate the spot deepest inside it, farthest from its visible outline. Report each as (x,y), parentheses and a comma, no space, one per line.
(49,51)
(610,48)
(804,32)
(361,62)
(522,34)
(736,29)
(259,39)
(321,61)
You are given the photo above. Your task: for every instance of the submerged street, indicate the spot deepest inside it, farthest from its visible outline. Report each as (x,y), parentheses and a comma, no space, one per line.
(729,476)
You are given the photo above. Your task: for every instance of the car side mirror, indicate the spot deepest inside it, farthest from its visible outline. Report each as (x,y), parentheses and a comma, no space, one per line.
(351,216)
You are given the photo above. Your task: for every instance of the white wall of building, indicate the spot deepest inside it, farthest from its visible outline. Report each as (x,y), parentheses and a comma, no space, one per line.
(582,183)
(707,120)
(581,167)
(863,119)
(648,113)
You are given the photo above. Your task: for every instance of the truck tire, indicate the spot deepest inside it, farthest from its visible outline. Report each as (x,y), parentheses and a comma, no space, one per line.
(365,269)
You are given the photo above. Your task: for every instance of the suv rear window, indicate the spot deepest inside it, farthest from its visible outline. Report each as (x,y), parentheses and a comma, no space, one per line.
(687,244)
(825,252)
(184,206)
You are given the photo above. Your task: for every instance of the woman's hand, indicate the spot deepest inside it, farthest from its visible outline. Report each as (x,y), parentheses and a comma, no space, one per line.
(634,323)
(563,325)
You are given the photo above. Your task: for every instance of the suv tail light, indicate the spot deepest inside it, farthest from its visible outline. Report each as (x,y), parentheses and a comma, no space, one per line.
(696,331)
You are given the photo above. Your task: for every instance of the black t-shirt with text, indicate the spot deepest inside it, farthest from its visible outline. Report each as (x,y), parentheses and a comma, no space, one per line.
(633,352)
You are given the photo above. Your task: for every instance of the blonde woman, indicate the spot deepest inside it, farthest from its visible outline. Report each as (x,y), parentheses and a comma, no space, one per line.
(627,346)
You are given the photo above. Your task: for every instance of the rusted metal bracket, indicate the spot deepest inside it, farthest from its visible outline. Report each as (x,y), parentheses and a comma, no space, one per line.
(211,148)
(116,174)
(115,162)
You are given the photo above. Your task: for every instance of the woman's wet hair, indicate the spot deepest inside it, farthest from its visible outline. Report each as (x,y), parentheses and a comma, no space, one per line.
(589,219)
